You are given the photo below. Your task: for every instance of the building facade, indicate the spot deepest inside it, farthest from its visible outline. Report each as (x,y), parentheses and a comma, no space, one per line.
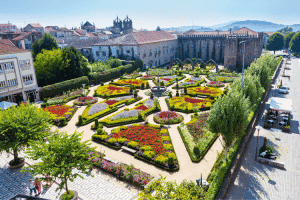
(154,48)
(17,75)
(88,27)
(34,27)
(8,27)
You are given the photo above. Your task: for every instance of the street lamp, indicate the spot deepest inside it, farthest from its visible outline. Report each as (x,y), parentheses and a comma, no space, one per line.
(83,85)
(257,128)
(243,42)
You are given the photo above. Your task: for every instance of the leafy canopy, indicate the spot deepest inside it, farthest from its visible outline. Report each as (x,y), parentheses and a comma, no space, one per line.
(22,124)
(295,43)
(287,39)
(47,42)
(63,157)
(275,42)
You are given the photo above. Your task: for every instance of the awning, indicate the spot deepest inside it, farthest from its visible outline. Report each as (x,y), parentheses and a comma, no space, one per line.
(4,105)
(281,104)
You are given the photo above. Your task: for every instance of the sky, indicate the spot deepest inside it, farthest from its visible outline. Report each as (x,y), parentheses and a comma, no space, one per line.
(147,14)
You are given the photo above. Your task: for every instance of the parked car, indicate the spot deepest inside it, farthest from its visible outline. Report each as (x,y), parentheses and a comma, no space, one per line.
(283,91)
(284,88)
(268,155)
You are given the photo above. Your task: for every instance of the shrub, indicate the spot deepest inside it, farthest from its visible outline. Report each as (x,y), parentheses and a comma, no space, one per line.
(147,85)
(146,148)
(80,120)
(177,93)
(100,137)
(60,88)
(171,161)
(196,150)
(163,131)
(44,105)
(170,94)
(96,123)
(62,121)
(122,140)
(151,95)
(161,160)
(148,154)
(143,86)
(112,140)
(171,155)
(133,144)
(168,146)
(100,131)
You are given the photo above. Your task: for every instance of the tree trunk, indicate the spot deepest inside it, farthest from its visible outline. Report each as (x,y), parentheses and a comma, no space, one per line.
(67,186)
(15,155)
(274,52)
(226,149)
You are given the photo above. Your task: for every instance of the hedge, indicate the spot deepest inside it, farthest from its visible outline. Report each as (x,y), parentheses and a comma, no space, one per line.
(61,87)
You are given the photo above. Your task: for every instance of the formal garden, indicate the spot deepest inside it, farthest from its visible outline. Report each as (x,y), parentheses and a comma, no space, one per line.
(117,113)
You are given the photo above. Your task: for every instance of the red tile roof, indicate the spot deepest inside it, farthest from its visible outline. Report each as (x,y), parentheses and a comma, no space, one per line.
(36,25)
(20,37)
(50,29)
(7,47)
(144,37)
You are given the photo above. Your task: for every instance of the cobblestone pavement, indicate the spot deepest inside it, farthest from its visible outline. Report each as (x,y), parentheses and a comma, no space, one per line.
(259,181)
(102,186)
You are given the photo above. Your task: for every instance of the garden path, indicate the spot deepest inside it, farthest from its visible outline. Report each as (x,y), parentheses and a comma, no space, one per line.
(188,170)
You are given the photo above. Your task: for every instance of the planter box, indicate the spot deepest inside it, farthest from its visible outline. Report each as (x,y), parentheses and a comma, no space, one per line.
(286,130)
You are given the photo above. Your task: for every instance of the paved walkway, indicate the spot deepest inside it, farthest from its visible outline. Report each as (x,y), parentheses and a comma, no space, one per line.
(102,187)
(258,181)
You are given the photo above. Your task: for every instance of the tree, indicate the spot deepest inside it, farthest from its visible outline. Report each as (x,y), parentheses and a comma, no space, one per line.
(47,42)
(287,39)
(59,157)
(285,30)
(158,29)
(50,65)
(275,42)
(229,117)
(109,52)
(295,43)
(20,125)
(78,66)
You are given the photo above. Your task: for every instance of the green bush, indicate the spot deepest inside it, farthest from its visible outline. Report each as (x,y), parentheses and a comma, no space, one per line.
(44,105)
(112,140)
(196,150)
(100,131)
(133,144)
(96,123)
(161,160)
(59,88)
(121,140)
(148,154)
(146,148)
(171,161)
(80,119)
(65,196)
(99,137)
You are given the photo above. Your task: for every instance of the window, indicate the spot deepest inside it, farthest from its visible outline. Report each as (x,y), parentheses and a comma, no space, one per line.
(9,66)
(128,51)
(2,84)
(28,79)
(12,82)
(97,53)
(1,69)
(24,64)
(103,53)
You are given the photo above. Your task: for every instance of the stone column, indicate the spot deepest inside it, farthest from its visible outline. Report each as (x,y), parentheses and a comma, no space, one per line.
(24,96)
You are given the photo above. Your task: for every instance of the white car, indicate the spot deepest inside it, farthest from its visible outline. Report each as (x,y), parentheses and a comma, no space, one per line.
(283,91)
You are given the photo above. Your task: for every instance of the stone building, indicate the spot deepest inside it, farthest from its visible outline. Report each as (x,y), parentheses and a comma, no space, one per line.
(223,47)
(17,74)
(23,40)
(34,27)
(88,27)
(120,28)
(154,48)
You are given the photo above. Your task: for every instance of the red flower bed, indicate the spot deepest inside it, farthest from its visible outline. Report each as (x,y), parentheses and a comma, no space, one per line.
(85,98)
(144,135)
(114,88)
(197,128)
(191,100)
(166,79)
(167,115)
(205,90)
(57,109)
(192,81)
(110,102)
(142,107)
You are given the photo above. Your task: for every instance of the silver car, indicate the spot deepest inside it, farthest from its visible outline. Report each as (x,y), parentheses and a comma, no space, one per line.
(283,90)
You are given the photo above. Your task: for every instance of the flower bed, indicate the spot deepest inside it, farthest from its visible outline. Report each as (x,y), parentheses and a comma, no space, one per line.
(108,91)
(153,144)
(215,84)
(194,133)
(61,113)
(224,79)
(169,80)
(67,96)
(204,91)
(188,104)
(191,82)
(168,117)
(161,72)
(105,107)
(147,77)
(133,75)
(122,171)
(136,114)
(82,101)
(136,82)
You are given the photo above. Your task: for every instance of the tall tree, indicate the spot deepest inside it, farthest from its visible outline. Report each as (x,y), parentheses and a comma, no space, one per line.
(60,157)
(50,66)
(275,42)
(229,117)
(20,125)
(78,65)
(295,43)
(47,42)
(287,39)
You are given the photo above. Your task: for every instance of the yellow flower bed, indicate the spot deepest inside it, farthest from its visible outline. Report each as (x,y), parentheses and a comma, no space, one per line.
(135,82)
(206,91)
(111,91)
(189,103)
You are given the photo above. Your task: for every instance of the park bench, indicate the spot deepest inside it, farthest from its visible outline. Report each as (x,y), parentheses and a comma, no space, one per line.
(128,149)
(271,162)
(120,106)
(201,96)
(110,160)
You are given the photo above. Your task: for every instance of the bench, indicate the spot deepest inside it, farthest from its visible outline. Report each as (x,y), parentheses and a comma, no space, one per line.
(201,96)
(128,149)
(110,160)
(120,106)
(271,162)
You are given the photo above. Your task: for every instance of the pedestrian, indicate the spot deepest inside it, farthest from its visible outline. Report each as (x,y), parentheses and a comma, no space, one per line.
(32,187)
(48,182)
(38,185)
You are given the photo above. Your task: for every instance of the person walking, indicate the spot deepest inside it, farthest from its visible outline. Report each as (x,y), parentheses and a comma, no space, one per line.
(32,187)
(38,185)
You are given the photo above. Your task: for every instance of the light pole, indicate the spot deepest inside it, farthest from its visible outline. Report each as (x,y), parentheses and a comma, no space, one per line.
(243,42)
(83,85)
(266,47)
(258,128)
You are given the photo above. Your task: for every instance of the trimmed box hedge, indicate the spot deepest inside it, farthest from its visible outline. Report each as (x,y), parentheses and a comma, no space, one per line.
(61,87)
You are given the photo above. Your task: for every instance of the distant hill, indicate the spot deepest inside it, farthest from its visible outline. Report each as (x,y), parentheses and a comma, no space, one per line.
(255,25)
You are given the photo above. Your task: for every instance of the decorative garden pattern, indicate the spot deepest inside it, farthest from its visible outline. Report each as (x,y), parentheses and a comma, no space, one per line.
(192,82)
(133,75)
(135,82)
(61,113)
(168,117)
(188,104)
(161,72)
(105,107)
(215,84)
(204,91)
(169,80)
(136,114)
(67,96)
(153,144)
(147,77)
(82,101)
(107,91)
(224,79)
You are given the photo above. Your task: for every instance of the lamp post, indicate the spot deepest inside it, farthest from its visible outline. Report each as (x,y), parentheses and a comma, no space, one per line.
(266,47)
(83,85)
(258,128)
(243,42)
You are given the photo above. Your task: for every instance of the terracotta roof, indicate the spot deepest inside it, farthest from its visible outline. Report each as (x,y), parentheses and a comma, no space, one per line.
(64,29)
(7,47)
(50,29)
(80,31)
(21,36)
(36,25)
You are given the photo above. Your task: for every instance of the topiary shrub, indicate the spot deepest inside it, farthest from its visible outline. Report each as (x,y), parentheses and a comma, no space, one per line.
(121,140)
(170,94)
(143,86)
(151,95)
(177,93)
(133,144)
(62,121)
(161,160)
(196,150)
(80,120)
(148,154)
(112,140)
(147,85)
(44,105)
(100,131)
(171,162)
(96,123)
